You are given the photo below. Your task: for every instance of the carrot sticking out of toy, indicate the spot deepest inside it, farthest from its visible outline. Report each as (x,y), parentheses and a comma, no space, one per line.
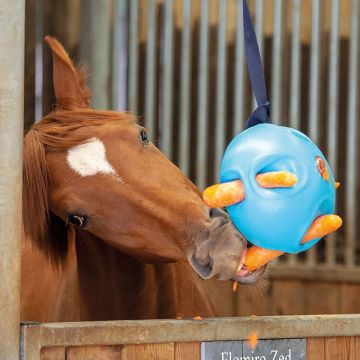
(221,195)
(232,192)
(323,225)
(275,179)
(257,256)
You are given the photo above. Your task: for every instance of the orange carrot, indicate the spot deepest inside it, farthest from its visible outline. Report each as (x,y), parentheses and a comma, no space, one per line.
(221,195)
(276,179)
(235,286)
(257,256)
(322,226)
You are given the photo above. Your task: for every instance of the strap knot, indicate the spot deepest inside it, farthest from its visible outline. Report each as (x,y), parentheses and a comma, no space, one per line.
(260,116)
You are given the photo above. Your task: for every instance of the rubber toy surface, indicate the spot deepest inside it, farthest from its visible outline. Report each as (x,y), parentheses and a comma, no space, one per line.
(278,218)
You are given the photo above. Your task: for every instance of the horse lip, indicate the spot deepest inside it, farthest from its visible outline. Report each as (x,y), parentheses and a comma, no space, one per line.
(242,261)
(244,276)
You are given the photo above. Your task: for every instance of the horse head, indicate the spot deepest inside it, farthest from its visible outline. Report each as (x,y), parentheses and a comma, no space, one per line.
(96,171)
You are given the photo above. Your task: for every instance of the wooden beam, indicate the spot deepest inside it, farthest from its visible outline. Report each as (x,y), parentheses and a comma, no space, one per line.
(317,273)
(12,20)
(160,331)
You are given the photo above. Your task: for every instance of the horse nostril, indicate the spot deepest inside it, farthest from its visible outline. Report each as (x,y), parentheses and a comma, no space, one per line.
(219,213)
(204,270)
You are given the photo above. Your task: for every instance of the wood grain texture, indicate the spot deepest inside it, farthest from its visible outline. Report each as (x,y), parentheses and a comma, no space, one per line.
(315,349)
(190,350)
(252,302)
(94,353)
(295,297)
(222,297)
(52,353)
(354,347)
(349,298)
(164,351)
(322,298)
(170,331)
(288,297)
(337,348)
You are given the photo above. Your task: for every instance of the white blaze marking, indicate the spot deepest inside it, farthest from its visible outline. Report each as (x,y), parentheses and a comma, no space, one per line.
(89,159)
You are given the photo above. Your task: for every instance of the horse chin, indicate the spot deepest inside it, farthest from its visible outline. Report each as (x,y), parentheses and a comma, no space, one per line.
(221,255)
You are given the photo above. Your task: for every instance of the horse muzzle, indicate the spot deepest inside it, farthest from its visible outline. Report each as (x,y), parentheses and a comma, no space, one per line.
(222,253)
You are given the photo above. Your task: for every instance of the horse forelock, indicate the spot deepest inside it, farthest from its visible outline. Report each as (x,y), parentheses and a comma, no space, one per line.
(55,131)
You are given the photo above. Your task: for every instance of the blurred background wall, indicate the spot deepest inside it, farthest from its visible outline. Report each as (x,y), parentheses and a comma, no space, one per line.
(179,65)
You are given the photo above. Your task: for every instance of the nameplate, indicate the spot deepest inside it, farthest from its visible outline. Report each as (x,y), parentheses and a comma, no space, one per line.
(284,349)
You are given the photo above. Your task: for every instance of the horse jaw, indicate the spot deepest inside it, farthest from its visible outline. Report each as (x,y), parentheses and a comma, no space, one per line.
(222,252)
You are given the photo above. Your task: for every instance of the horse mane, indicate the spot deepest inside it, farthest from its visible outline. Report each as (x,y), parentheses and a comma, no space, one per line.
(56,131)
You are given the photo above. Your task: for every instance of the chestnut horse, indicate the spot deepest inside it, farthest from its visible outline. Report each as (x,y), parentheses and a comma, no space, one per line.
(112,229)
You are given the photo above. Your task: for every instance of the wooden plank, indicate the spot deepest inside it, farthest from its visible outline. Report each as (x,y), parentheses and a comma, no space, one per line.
(324,273)
(252,301)
(222,297)
(12,20)
(337,348)
(188,350)
(315,349)
(160,331)
(354,347)
(322,298)
(163,351)
(96,352)
(52,353)
(30,343)
(349,299)
(288,297)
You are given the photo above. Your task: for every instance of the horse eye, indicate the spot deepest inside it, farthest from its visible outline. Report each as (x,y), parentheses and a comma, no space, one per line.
(76,220)
(144,136)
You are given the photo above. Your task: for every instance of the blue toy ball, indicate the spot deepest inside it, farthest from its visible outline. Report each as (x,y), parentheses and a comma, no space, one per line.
(278,218)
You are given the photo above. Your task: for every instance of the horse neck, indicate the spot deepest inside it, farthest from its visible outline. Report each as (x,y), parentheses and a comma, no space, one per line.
(114,285)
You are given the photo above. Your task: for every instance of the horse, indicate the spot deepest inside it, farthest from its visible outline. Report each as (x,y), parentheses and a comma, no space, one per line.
(112,229)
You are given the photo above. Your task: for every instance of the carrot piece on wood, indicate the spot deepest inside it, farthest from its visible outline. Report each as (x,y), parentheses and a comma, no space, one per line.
(322,226)
(221,195)
(275,179)
(257,257)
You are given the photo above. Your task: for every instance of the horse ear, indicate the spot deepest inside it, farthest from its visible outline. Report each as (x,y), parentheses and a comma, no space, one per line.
(69,84)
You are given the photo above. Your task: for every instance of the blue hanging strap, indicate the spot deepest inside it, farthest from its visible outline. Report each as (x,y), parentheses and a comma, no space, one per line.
(256,73)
